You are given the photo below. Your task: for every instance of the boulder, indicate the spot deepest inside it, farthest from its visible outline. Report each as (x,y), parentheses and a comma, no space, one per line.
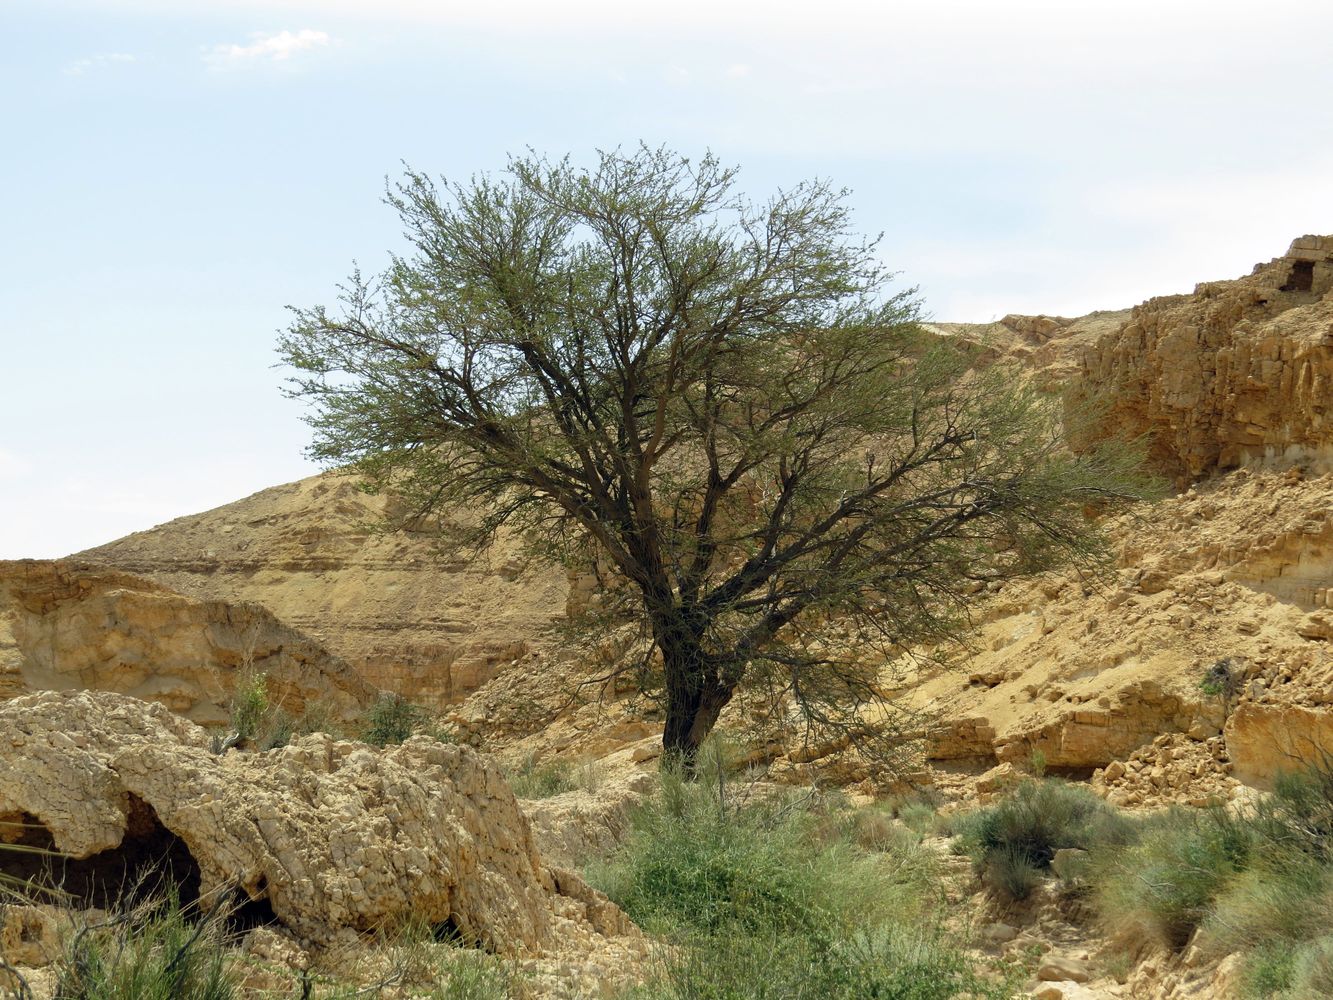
(1264,740)
(324,837)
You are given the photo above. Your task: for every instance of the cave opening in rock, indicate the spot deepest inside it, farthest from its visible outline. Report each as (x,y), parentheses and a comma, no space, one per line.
(448,932)
(1070,772)
(1301,278)
(150,863)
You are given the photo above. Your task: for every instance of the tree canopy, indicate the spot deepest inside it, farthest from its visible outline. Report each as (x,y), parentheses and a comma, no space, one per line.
(728,399)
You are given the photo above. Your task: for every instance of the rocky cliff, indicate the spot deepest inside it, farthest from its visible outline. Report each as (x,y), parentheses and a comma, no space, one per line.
(1238,372)
(314,552)
(73,625)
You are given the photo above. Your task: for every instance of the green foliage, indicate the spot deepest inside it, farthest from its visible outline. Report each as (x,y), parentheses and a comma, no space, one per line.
(261,724)
(534,780)
(726,398)
(1269,971)
(1222,680)
(778,898)
(1011,870)
(1013,841)
(1312,969)
(894,964)
(153,954)
(472,978)
(1168,881)
(1259,879)
(249,706)
(391,719)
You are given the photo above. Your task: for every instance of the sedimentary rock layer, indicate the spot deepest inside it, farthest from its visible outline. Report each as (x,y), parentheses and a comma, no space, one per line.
(67,624)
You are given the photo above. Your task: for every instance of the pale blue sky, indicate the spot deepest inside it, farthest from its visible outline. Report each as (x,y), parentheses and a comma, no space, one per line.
(174,173)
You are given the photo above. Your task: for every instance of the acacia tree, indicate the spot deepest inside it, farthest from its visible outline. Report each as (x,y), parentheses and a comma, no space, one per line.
(725,397)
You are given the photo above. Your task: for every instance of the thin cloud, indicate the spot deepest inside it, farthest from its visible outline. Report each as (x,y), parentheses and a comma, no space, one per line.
(79,67)
(267,48)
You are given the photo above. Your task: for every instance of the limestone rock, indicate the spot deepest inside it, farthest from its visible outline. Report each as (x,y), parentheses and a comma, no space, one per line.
(407,617)
(67,624)
(1055,968)
(579,825)
(1174,768)
(1237,372)
(1265,740)
(331,836)
(29,935)
(1069,990)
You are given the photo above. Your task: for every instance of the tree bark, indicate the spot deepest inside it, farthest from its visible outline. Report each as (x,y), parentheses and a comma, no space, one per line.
(695,699)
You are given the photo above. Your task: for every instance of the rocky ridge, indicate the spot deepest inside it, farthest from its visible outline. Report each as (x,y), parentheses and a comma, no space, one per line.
(407,617)
(73,625)
(1239,372)
(327,839)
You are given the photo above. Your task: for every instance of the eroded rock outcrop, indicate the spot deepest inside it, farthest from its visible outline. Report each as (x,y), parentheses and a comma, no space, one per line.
(67,624)
(314,552)
(331,836)
(1084,673)
(1237,372)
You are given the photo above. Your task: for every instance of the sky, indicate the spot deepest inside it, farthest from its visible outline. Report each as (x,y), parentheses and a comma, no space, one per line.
(173,175)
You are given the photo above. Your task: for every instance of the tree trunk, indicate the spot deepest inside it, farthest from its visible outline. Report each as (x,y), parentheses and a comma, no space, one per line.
(693,706)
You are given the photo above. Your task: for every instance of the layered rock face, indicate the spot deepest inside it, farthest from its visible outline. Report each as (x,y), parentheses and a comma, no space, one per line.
(329,838)
(1239,371)
(1083,673)
(315,553)
(68,624)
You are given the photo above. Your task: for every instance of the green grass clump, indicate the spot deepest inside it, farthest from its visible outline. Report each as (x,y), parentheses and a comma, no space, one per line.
(1012,842)
(776,899)
(533,780)
(1257,881)
(249,706)
(152,954)
(1168,881)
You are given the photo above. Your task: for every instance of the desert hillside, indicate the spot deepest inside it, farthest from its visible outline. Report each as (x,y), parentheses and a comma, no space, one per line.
(1233,384)
(512,782)
(316,555)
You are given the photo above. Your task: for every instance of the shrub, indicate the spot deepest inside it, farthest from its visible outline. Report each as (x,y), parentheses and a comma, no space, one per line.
(249,705)
(1312,969)
(1012,841)
(1010,870)
(896,964)
(692,865)
(778,899)
(391,719)
(154,953)
(532,780)
(1269,971)
(1170,879)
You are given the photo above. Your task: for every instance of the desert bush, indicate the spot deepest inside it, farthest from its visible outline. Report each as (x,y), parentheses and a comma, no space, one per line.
(690,865)
(1012,841)
(391,719)
(896,964)
(1010,870)
(1269,971)
(249,705)
(776,898)
(1312,970)
(154,953)
(1168,881)
(534,780)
